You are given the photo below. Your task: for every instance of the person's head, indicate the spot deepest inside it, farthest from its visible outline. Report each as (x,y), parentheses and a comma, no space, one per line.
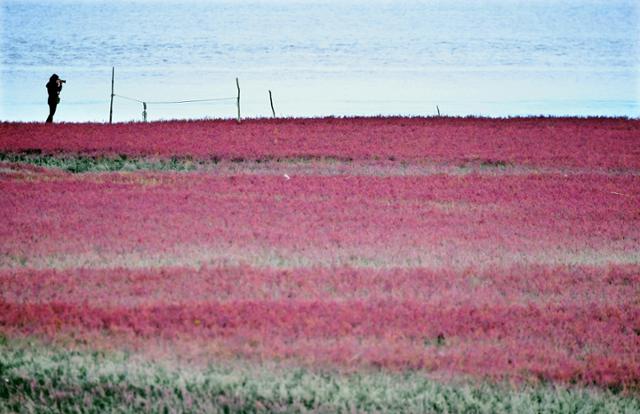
(54,78)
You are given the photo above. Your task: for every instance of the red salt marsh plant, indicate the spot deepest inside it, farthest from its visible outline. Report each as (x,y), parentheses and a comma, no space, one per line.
(609,143)
(40,377)
(529,276)
(586,344)
(571,324)
(479,275)
(64,220)
(408,249)
(519,285)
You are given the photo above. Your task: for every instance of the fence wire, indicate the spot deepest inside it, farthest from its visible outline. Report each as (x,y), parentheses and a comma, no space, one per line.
(174,102)
(145,103)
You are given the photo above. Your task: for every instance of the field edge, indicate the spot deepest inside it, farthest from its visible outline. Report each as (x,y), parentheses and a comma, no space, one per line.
(40,377)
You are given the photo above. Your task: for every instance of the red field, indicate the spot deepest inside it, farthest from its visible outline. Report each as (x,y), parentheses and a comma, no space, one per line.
(488,248)
(607,143)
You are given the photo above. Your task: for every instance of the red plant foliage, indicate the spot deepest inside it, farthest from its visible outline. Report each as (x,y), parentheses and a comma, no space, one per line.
(559,342)
(612,285)
(610,143)
(518,275)
(394,221)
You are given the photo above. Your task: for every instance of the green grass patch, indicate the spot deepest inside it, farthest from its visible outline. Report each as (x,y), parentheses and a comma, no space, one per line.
(41,378)
(81,163)
(86,163)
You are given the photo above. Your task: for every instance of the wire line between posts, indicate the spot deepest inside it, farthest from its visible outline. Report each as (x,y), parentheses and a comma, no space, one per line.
(183,101)
(145,103)
(175,102)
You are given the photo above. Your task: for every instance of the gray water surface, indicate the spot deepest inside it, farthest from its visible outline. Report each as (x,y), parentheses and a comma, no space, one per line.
(494,58)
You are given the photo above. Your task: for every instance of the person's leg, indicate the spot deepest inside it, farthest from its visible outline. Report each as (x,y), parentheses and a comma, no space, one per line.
(52,111)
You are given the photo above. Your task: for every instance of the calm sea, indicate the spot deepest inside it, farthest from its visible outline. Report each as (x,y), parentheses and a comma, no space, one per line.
(494,58)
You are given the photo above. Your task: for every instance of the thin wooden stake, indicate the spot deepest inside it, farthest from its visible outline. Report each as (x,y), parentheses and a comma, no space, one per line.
(273,111)
(238,102)
(438,110)
(113,71)
(144,111)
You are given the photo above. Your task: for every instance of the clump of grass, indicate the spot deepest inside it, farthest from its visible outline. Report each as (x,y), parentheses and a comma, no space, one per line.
(37,378)
(495,164)
(76,163)
(79,163)
(485,164)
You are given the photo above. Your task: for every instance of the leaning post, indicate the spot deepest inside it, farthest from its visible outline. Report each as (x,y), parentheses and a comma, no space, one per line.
(113,70)
(273,111)
(238,101)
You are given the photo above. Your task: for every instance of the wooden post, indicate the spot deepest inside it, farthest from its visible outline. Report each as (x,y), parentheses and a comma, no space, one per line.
(113,70)
(238,102)
(438,110)
(273,111)
(144,111)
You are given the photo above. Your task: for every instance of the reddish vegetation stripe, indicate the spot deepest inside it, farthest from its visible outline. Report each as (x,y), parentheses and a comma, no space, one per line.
(514,275)
(518,286)
(566,343)
(112,213)
(571,142)
(591,325)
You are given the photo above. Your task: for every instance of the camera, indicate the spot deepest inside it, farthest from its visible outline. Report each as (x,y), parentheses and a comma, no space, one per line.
(62,81)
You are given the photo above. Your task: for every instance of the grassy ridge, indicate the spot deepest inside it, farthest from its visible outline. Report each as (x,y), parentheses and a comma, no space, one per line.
(87,163)
(41,378)
(307,165)
(81,163)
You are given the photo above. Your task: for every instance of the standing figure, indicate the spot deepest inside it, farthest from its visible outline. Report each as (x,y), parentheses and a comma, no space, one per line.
(54,86)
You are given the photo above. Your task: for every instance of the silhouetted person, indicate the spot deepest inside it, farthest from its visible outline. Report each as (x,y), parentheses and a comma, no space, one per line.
(54,86)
